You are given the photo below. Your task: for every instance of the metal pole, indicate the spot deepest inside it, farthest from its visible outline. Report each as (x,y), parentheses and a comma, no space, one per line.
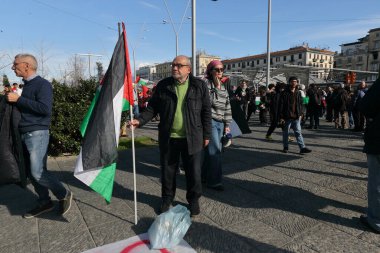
(89,66)
(268,42)
(193,37)
(134,63)
(176,44)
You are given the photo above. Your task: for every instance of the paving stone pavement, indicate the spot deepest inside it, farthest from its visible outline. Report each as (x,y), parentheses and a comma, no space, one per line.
(273,202)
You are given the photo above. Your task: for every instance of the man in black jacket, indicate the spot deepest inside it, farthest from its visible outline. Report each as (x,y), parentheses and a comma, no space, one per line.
(370,107)
(183,103)
(290,112)
(35,105)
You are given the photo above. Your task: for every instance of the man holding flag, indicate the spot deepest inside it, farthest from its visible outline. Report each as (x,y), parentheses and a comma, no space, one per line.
(183,103)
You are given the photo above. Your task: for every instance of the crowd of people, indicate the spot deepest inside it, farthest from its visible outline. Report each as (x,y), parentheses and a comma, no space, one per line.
(195,115)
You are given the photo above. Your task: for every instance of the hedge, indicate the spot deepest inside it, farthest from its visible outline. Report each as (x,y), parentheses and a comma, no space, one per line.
(69,108)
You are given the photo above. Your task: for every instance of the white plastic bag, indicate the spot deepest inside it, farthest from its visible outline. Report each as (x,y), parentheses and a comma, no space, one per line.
(169,228)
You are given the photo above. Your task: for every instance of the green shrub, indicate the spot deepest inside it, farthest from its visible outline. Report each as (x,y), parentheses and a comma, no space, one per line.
(69,108)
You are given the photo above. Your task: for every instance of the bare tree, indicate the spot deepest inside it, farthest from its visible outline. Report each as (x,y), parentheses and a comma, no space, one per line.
(100,70)
(42,57)
(76,70)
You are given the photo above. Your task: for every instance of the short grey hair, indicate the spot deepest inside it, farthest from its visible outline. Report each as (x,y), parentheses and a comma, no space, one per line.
(33,60)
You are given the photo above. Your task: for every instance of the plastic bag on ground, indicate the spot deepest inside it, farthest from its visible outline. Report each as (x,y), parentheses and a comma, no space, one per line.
(169,228)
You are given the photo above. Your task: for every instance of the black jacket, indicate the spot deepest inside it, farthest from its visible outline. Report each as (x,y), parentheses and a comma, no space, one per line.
(285,105)
(197,112)
(370,107)
(12,169)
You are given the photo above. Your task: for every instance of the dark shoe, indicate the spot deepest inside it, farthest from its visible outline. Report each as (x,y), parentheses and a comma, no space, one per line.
(165,206)
(218,187)
(285,150)
(65,204)
(364,220)
(195,210)
(39,210)
(305,150)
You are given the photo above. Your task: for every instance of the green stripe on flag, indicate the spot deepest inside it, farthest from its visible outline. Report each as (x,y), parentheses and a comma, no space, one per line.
(86,119)
(103,183)
(126,105)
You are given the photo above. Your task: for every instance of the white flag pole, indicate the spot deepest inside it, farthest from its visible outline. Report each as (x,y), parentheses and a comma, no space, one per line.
(134,163)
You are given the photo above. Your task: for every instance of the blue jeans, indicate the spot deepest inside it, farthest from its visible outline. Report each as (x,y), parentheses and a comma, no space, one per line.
(373,211)
(212,164)
(295,124)
(136,111)
(35,146)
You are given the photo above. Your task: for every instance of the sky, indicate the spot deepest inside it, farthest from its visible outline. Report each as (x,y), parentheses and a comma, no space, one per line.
(56,31)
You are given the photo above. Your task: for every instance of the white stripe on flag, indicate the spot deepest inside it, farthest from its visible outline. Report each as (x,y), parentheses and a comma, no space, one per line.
(87,177)
(117,109)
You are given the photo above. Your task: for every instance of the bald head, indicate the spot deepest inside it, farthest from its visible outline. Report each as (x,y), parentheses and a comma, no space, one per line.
(181,68)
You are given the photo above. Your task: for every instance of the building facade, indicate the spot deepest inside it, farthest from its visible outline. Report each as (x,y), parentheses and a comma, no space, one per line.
(301,56)
(147,72)
(362,54)
(163,70)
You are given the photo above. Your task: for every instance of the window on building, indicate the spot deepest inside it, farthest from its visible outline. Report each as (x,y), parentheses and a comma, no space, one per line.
(284,58)
(360,58)
(277,59)
(252,63)
(377,45)
(299,56)
(233,65)
(271,61)
(349,59)
(292,58)
(375,55)
(239,64)
(247,63)
(265,61)
(258,62)
(243,65)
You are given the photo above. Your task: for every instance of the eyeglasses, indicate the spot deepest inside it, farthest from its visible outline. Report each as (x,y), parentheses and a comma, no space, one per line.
(218,69)
(178,65)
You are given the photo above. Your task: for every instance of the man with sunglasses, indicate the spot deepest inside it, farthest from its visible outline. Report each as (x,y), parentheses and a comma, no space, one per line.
(35,105)
(183,103)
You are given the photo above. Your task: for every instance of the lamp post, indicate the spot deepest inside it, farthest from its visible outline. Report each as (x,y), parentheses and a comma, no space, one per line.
(268,42)
(176,32)
(193,37)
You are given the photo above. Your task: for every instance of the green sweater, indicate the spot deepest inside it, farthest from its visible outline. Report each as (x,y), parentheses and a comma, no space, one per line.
(178,129)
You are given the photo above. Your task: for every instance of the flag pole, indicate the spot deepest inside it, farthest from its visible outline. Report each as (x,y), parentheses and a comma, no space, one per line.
(134,163)
(133,136)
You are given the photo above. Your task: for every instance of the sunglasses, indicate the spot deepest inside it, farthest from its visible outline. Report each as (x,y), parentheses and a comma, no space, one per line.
(218,69)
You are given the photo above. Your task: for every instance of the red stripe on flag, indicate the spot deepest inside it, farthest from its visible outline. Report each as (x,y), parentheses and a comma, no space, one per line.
(128,86)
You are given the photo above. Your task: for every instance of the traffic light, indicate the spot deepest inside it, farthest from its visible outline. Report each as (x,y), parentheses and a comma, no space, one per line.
(353,77)
(347,78)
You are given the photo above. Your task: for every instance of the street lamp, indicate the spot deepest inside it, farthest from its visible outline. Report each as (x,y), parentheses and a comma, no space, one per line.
(268,42)
(172,23)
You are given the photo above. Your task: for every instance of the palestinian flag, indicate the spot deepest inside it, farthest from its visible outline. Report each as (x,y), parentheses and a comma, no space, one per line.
(144,87)
(96,163)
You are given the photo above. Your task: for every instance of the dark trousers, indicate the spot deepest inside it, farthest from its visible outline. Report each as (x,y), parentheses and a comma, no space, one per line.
(359,120)
(314,116)
(273,123)
(192,165)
